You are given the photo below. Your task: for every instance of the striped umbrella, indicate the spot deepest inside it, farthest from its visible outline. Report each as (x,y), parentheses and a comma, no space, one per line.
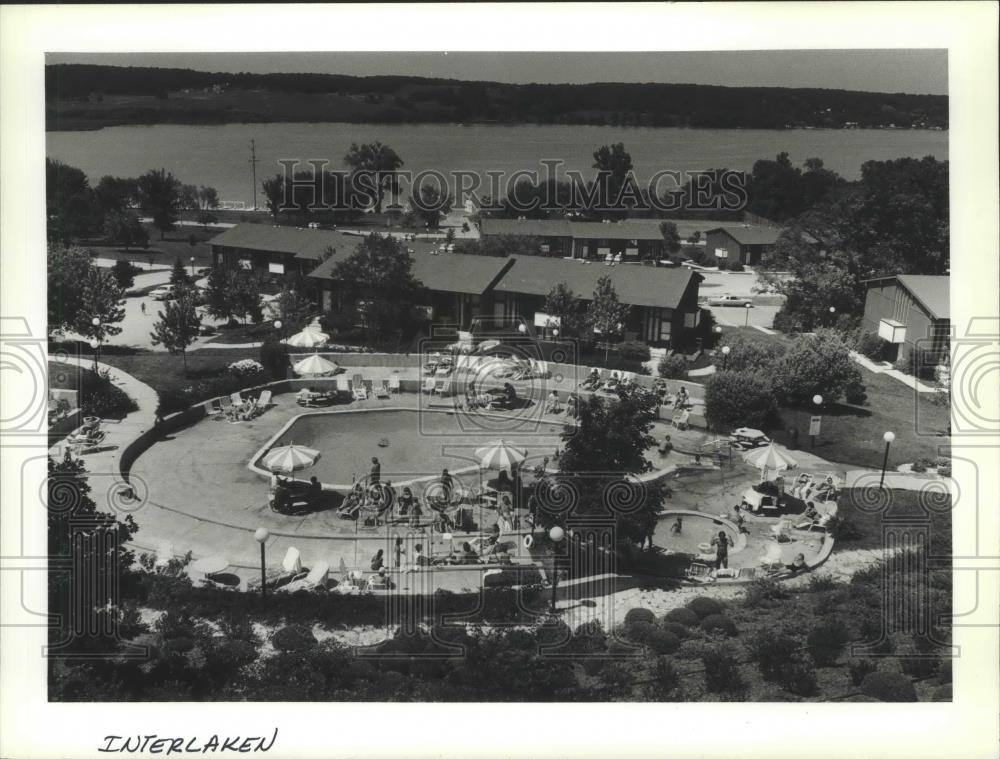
(767,458)
(289,458)
(315,364)
(308,338)
(500,455)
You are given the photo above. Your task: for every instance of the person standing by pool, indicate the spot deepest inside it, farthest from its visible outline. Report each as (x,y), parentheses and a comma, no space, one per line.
(398,553)
(377,561)
(677,526)
(447,485)
(722,543)
(375,474)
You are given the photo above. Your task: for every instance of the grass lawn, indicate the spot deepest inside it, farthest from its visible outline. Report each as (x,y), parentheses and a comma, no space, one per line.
(95,396)
(162,371)
(163,252)
(913,506)
(243,333)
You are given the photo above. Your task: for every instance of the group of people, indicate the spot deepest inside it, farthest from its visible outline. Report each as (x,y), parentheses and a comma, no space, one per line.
(289,495)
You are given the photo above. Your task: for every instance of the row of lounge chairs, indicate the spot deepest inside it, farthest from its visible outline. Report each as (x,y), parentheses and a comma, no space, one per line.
(502,368)
(234,408)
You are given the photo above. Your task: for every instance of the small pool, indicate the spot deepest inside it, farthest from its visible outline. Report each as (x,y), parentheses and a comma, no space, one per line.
(697,531)
(418,443)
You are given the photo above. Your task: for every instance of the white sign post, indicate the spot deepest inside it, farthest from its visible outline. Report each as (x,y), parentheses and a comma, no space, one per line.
(814,422)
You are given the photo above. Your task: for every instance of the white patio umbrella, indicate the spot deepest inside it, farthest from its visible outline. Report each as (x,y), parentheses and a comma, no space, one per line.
(308,338)
(500,455)
(289,458)
(315,364)
(767,458)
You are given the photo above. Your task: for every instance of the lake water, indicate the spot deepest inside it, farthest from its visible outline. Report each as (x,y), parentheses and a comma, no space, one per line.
(218,155)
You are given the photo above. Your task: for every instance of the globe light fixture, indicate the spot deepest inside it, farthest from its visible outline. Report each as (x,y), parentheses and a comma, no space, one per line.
(725,356)
(888,437)
(261,535)
(556,534)
(818,400)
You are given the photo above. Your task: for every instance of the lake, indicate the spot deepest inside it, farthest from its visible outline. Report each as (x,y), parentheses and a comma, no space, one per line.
(218,156)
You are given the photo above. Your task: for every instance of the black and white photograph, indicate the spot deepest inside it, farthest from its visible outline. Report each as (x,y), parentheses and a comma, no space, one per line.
(501,378)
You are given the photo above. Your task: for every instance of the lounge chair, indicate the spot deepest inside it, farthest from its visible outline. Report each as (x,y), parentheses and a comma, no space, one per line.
(226,403)
(358,390)
(343,385)
(539,369)
(680,419)
(214,407)
(444,370)
(290,570)
(627,378)
(237,399)
(264,401)
(442,387)
(428,385)
(382,389)
(611,384)
(394,383)
(698,571)
(315,580)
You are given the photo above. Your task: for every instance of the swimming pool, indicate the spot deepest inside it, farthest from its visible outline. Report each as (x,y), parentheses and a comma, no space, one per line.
(418,443)
(696,533)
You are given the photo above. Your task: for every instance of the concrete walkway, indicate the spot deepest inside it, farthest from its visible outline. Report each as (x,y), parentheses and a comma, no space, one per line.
(911,382)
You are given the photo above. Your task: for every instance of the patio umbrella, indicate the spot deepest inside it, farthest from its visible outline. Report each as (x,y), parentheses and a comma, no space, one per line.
(289,458)
(308,338)
(767,458)
(315,364)
(500,455)
(209,565)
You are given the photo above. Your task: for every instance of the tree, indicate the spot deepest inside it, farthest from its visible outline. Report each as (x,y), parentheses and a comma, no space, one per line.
(160,196)
(562,303)
(206,217)
(124,228)
(374,166)
(606,314)
(179,277)
(71,209)
(218,293)
(244,291)
(274,356)
(816,364)
(115,194)
(430,206)
(274,194)
(380,272)
(753,355)
(671,239)
(292,309)
(208,198)
(614,168)
(177,326)
(189,197)
(68,268)
(101,299)
(123,273)
(739,399)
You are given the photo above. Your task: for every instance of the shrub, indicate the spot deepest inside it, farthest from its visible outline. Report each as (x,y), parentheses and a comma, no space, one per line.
(819,363)
(772,651)
(681,616)
(860,668)
(715,623)
(722,670)
(855,393)
(826,642)
(662,642)
(753,355)
(842,528)
(919,666)
(763,592)
(178,645)
(675,628)
(672,367)
(173,400)
(640,631)
(872,346)
(704,606)
(274,357)
(799,676)
(293,638)
(666,677)
(639,615)
(102,398)
(633,350)
(247,370)
(739,399)
(888,686)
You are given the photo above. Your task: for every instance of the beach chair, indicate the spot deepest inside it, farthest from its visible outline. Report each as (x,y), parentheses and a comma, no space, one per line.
(442,387)
(237,399)
(214,408)
(289,571)
(680,419)
(698,571)
(315,580)
(611,384)
(540,369)
(358,390)
(164,553)
(264,401)
(382,389)
(394,383)
(428,386)
(627,379)
(343,385)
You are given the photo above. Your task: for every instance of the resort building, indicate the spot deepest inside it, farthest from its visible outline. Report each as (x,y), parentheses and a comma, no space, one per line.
(629,240)
(743,244)
(465,290)
(910,310)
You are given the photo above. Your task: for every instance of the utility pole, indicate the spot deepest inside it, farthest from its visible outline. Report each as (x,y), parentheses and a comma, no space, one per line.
(253,169)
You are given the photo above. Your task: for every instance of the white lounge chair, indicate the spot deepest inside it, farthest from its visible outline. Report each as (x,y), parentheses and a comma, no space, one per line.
(428,385)
(442,387)
(214,407)
(394,383)
(343,385)
(382,389)
(315,580)
(264,401)
(358,390)
(290,570)
(237,399)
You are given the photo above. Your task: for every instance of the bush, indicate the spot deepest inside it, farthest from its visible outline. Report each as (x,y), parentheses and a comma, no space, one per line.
(826,642)
(666,677)
(178,645)
(739,399)
(799,676)
(274,357)
(722,670)
(753,355)
(639,615)
(772,652)
(872,346)
(715,623)
(704,606)
(640,631)
(293,638)
(633,350)
(675,628)
(919,666)
(842,528)
(860,668)
(888,686)
(673,367)
(681,616)
(662,642)
(819,363)
(855,393)
(763,592)
(247,370)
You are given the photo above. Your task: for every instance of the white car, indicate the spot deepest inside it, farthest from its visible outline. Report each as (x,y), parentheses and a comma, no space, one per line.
(731,300)
(162,293)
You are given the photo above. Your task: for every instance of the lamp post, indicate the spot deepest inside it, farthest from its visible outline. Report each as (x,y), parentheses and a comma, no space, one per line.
(277,326)
(556,534)
(96,342)
(725,356)
(747,308)
(818,401)
(192,268)
(261,536)
(888,437)
(717,330)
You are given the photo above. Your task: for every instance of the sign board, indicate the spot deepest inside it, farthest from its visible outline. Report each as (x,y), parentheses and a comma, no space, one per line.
(274,268)
(892,330)
(542,319)
(814,422)
(721,253)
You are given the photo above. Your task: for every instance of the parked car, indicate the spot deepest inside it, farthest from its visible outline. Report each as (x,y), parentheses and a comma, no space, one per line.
(755,501)
(741,301)
(162,293)
(745,438)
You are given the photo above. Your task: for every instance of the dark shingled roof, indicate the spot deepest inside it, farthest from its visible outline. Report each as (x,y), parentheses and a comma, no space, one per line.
(933,292)
(635,284)
(305,243)
(750,235)
(630,229)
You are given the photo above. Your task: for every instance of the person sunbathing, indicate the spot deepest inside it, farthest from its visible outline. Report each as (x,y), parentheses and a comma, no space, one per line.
(592,380)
